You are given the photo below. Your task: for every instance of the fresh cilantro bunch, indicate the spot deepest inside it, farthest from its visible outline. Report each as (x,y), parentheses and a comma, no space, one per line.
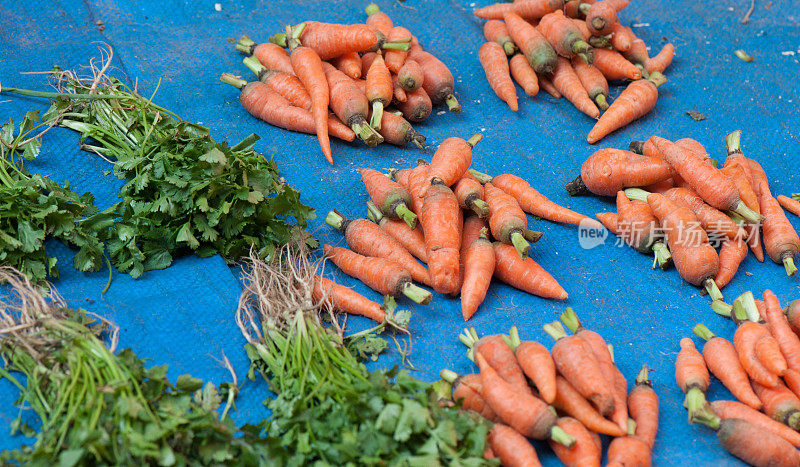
(34,208)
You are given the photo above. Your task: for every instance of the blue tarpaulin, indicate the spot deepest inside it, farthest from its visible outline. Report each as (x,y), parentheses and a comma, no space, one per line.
(183,316)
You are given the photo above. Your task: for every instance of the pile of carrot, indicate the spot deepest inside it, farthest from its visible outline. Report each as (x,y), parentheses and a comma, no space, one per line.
(466,226)
(341,79)
(676,202)
(572,49)
(568,396)
(761,368)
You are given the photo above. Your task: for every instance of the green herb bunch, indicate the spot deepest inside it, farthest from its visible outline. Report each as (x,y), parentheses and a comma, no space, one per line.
(34,208)
(328,407)
(96,407)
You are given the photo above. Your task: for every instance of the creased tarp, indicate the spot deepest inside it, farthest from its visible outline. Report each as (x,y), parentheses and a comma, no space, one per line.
(183,316)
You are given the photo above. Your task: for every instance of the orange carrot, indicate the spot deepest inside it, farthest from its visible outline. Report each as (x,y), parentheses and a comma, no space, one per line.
(695,259)
(614,66)
(692,377)
(549,88)
(576,361)
(378,20)
(512,448)
(333,40)
(410,76)
(411,239)
(507,220)
(587,450)
(525,274)
(790,204)
(439,215)
(287,85)
(496,31)
(469,193)
(781,331)
(527,9)
(643,408)
(350,104)
(564,36)
(264,103)
(569,85)
(779,403)
(636,101)
(600,17)
(416,182)
(524,75)
(609,170)
(399,93)
(470,231)
(379,90)
(792,380)
(438,80)
(478,269)
(731,409)
(396,58)
(711,219)
(780,239)
(452,159)
(628,451)
(742,181)
(637,53)
(594,41)
(468,389)
(417,107)
(341,298)
(537,364)
(661,61)
(525,413)
(731,255)
(540,54)
(366,62)
(593,82)
(793,315)
(273,57)
(495,65)
(753,444)
(349,64)
(622,37)
(367,239)
(610,221)
(636,222)
(570,401)
(396,130)
(498,354)
(723,361)
(389,196)
(747,335)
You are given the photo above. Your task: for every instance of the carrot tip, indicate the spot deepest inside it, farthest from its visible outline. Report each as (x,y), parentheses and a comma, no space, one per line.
(661,255)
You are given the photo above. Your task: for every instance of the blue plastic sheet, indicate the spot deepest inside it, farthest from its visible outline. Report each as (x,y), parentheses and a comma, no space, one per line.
(183,316)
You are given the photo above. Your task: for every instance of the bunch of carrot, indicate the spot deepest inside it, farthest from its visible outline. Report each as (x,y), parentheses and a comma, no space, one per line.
(568,396)
(340,79)
(445,215)
(761,368)
(572,49)
(674,200)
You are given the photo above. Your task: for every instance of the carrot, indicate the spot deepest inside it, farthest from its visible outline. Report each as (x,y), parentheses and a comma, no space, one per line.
(758,179)
(498,354)
(273,57)
(792,312)
(745,339)
(609,170)
(731,409)
(378,20)
(347,300)
(524,75)
(379,90)
(366,62)
(610,221)
(549,88)
(439,215)
(367,239)
(507,220)
(512,448)
(692,377)
(397,131)
(731,255)
(350,104)
(417,107)
(537,364)
(525,274)
(478,269)
(587,450)
(437,80)
(628,451)
(411,239)
(723,361)
(638,226)
(735,157)
(570,401)
(540,54)
(622,37)
(565,37)
(790,204)
(695,259)
(410,76)
(752,443)
(396,58)
(527,9)
(452,159)
(469,193)
(569,85)
(496,31)
(792,380)
(780,239)
(333,40)
(495,65)
(287,85)
(637,53)
(349,64)
(264,103)
(742,181)
(600,17)
(576,361)
(707,181)
(779,403)
(468,389)
(662,60)
(594,41)
(399,94)
(614,66)
(636,101)
(787,340)
(643,408)
(389,196)
(416,181)
(525,413)
(593,82)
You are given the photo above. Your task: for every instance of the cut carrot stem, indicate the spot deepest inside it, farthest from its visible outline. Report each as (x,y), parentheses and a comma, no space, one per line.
(279,39)
(532,236)
(721,308)
(637,193)
(661,255)
(475,139)
(417,293)
(377,115)
(706,417)
(788,264)
(452,104)
(745,308)
(397,45)
(570,319)
(520,244)
(480,176)
(245,45)
(404,213)
(480,207)
(713,291)
(226,78)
